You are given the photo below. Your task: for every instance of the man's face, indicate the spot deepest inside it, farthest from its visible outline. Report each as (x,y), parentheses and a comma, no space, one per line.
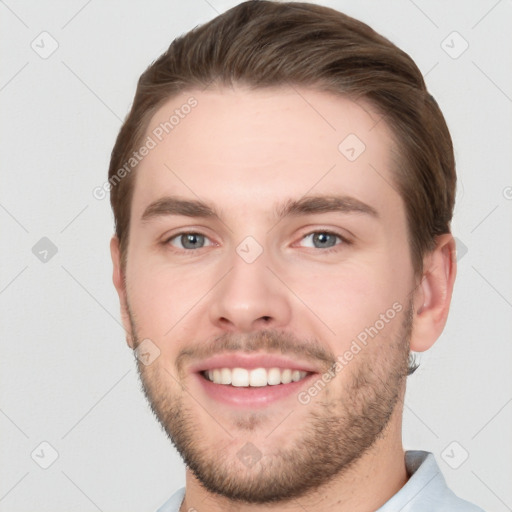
(272,282)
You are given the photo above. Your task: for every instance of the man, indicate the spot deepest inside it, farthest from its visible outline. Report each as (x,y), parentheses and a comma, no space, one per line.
(283,189)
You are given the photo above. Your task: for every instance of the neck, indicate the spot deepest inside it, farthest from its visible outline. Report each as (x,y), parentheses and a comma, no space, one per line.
(364,487)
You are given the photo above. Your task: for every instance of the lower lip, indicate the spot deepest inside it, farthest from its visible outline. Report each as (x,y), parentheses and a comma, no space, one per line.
(253,397)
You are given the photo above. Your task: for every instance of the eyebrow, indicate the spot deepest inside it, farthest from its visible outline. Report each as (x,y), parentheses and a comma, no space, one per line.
(307,205)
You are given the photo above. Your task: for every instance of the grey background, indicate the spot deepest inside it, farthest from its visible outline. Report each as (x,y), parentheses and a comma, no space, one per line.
(67,377)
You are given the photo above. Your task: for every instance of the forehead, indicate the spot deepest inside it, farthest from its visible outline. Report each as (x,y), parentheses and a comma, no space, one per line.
(246,149)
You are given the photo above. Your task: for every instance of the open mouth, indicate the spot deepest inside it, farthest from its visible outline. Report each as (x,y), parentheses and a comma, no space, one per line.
(253,377)
(252,380)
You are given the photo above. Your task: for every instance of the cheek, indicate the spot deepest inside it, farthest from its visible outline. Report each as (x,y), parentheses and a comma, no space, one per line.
(150,297)
(162,298)
(348,298)
(361,302)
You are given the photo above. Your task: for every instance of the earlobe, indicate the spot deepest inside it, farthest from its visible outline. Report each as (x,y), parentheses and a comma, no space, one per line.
(119,283)
(433,296)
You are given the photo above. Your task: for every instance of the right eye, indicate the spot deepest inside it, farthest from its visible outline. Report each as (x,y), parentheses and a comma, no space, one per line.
(188,241)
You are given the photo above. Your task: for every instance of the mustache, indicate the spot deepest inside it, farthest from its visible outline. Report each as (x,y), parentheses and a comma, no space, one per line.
(271,341)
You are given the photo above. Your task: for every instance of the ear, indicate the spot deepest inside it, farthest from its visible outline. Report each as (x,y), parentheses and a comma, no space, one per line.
(120,285)
(434,293)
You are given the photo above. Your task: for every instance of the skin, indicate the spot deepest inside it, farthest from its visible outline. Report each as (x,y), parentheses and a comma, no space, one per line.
(243,152)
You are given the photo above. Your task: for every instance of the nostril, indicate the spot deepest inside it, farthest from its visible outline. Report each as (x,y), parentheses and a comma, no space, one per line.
(266,318)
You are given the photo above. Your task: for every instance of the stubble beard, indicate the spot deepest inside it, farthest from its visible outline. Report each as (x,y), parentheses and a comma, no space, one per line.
(341,426)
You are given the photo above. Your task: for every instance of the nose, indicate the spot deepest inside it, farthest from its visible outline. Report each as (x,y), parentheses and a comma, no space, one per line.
(250,297)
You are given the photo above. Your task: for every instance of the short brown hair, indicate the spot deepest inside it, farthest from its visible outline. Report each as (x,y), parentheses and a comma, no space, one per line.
(265,44)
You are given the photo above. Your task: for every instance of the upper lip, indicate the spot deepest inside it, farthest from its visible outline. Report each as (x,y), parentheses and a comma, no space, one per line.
(250,361)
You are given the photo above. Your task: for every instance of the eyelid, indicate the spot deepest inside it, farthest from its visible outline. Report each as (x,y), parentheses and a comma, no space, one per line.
(347,239)
(190,231)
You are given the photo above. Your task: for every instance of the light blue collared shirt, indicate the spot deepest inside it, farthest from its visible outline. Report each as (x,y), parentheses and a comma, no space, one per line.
(425,491)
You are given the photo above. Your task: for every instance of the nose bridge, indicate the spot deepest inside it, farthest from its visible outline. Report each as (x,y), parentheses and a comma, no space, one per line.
(250,294)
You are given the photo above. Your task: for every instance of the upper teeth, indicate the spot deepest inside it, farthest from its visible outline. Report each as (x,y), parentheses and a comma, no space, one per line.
(241,377)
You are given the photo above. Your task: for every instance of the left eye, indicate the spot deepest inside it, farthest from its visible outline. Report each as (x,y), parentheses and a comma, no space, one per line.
(189,241)
(322,240)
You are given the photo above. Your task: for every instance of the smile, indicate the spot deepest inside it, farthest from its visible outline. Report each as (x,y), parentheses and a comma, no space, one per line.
(254,377)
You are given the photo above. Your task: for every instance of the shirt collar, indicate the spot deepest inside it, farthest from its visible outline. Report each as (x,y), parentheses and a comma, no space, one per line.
(425,485)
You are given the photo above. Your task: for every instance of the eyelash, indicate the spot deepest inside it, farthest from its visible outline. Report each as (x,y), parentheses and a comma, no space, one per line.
(344,241)
(328,250)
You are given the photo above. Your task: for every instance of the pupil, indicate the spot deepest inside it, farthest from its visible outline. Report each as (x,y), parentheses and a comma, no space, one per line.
(324,238)
(191,241)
